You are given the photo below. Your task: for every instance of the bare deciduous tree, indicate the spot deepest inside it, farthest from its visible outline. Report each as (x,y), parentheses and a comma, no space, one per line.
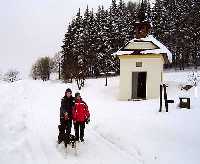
(42,69)
(56,63)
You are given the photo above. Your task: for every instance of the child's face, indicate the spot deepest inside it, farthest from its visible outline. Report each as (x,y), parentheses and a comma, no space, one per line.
(78,97)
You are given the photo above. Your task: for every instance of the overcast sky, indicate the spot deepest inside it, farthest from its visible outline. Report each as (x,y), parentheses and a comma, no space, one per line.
(33,28)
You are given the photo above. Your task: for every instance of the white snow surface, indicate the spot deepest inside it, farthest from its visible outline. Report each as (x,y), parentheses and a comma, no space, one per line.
(162,48)
(128,132)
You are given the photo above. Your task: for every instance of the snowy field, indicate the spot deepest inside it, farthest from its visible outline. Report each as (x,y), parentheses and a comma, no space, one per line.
(119,132)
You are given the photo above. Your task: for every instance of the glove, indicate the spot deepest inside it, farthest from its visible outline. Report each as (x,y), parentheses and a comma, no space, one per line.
(66,116)
(87,120)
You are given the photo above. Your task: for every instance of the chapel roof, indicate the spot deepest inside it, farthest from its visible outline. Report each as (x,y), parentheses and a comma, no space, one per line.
(147,45)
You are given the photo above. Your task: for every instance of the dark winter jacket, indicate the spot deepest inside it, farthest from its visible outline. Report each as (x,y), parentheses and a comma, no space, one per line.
(67,105)
(80,111)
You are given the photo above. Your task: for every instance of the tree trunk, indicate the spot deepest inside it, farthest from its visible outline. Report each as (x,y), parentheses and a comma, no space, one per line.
(78,83)
(106,79)
(59,71)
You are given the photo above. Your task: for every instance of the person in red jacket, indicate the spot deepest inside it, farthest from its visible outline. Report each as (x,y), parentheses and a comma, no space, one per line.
(81,115)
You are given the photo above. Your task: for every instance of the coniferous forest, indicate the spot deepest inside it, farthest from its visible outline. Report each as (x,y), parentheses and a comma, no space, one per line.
(92,37)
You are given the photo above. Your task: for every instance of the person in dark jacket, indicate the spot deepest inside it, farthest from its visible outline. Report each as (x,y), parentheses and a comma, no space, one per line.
(81,116)
(67,104)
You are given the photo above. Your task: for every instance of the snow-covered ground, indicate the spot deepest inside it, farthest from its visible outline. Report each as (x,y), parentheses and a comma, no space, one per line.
(128,132)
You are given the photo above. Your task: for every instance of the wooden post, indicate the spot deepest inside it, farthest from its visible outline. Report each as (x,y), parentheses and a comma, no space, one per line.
(160,98)
(106,74)
(165,97)
(106,79)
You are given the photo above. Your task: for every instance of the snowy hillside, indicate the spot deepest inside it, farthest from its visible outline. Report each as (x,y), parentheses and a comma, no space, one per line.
(119,132)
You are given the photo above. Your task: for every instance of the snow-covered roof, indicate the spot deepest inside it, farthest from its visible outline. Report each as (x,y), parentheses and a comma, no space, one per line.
(160,48)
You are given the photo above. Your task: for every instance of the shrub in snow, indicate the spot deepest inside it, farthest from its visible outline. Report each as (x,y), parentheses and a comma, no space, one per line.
(11,76)
(194,78)
(34,72)
(1,76)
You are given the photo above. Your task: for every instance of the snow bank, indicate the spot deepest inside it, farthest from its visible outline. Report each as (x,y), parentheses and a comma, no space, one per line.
(119,132)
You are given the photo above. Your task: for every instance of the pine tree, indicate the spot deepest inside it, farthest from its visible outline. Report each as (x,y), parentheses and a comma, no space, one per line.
(90,39)
(165,26)
(130,19)
(103,39)
(176,23)
(114,28)
(191,29)
(122,26)
(67,62)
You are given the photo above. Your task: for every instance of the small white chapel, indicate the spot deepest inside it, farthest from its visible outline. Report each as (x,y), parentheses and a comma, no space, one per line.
(141,65)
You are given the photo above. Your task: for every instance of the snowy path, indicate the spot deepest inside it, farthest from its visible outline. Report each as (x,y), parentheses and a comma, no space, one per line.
(36,109)
(119,132)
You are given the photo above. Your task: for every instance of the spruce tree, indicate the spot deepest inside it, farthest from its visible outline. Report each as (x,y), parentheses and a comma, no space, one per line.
(130,19)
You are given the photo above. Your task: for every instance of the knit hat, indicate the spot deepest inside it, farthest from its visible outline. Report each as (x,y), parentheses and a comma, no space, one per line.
(77,94)
(68,90)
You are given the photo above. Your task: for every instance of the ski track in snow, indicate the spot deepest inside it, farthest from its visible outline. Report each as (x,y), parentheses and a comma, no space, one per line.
(35,135)
(121,150)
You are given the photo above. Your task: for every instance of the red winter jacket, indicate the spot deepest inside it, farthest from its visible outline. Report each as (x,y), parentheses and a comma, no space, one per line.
(80,111)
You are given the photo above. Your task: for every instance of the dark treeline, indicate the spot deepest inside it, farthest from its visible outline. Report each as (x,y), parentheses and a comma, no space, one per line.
(176,23)
(92,37)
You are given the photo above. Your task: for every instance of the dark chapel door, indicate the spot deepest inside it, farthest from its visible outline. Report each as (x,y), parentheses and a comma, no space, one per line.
(139,85)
